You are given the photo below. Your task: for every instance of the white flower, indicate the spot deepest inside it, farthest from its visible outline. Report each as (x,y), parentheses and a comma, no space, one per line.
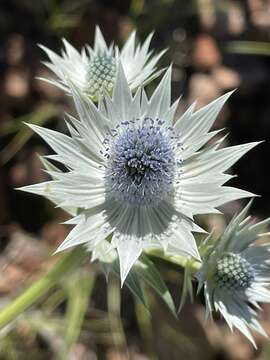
(95,69)
(236,274)
(135,176)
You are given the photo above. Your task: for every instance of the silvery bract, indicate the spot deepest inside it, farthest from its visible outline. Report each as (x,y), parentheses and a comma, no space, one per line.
(236,274)
(95,68)
(136,176)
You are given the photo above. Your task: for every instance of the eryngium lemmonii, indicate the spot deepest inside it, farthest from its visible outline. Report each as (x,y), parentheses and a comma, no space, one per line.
(94,69)
(236,274)
(136,175)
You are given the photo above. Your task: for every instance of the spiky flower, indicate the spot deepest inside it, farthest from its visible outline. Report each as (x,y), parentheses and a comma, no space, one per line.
(135,176)
(94,69)
(235,274)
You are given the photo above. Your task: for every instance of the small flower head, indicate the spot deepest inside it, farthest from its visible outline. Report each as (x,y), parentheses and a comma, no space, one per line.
(235,274)
(101,74)
(135,174)
(94,69)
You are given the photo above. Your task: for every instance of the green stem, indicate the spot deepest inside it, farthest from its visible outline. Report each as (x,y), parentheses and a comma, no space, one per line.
(61,268)
(40,287)
(193,264)
(114,312)
(79,288)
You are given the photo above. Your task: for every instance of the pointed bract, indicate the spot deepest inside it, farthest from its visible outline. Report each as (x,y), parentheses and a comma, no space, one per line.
(131,175)
(235,274)
(93,70)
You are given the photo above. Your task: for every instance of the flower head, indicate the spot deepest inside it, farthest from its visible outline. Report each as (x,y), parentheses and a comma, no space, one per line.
(94,69)
(134,175)
(235,274)
(143,162)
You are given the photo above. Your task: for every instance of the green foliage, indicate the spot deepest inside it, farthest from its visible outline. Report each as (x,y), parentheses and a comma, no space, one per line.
(22,132)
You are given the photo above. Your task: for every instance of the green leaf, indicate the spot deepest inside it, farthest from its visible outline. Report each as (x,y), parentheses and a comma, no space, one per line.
(110,263)
(132,281)
(187,289)
(147,271)
(142,271)
(134,284)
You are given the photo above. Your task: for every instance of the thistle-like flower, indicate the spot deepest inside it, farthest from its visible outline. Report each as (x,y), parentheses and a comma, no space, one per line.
(136,177)
(94,69)
(235,274)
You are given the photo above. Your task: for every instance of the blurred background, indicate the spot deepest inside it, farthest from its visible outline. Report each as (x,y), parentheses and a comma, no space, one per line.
(215,46)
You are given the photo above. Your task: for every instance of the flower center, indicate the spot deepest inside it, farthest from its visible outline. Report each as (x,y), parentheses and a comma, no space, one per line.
(101,74)
(233,272)
(141,164)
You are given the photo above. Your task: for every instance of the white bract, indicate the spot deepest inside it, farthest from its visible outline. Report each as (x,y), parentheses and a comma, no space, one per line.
(136,176)
(94,69)
(236,274)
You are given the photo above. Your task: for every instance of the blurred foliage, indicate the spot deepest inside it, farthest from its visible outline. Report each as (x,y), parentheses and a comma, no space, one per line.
(249,47)
(23,133)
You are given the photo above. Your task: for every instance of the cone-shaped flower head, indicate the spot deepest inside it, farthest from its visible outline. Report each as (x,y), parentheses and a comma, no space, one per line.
(236,274)
(136,175)
(94,69)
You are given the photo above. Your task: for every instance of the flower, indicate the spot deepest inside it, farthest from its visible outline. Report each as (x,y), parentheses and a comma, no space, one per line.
(135,176)
(235,274)
(95,69)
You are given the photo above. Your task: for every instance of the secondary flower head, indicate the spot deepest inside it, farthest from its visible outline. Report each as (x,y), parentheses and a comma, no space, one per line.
(94,69)
(235,274)
(134,174)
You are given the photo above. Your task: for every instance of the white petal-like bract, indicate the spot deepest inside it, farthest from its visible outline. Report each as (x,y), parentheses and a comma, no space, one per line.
(136,176)
(94,69)
(235,274)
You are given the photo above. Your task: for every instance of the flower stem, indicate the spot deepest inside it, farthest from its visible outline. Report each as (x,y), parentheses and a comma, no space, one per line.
(61,268)
(40,287)
(183,261)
